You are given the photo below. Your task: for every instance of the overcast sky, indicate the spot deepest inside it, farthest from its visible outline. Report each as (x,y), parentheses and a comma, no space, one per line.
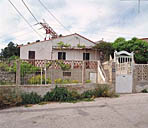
(94,19)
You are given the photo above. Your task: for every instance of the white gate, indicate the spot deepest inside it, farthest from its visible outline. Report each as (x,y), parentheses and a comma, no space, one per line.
(124,71)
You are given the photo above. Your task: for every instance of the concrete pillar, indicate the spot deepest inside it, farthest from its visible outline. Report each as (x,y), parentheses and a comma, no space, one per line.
(134,75)
(97,74)
(83,72)
(114,75)
(18,73)
(45,62)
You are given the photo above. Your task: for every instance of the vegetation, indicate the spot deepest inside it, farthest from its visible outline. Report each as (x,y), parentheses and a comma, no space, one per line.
(80,46)
(10,98)
(26,68)
(63,66)
(37,80)
(88,81)
(66,81)
(10,50)
(145,90)
(60,94)
(30,98)
(61,45)
(139,47)
(105,49)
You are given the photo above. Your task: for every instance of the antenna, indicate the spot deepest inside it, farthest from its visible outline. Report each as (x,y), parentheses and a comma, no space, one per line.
(45,25)
(48,29)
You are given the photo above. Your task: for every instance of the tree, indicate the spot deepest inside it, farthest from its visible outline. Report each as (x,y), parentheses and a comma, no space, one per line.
(105,50)
(10,50)
(139,47)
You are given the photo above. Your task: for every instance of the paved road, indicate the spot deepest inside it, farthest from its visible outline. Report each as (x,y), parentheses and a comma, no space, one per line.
(127,111)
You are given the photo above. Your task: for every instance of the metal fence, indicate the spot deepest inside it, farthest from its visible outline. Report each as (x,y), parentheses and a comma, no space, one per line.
(43,72)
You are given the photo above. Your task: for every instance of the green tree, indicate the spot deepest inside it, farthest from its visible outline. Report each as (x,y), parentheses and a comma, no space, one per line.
(10,50)
(139,47)
(105,50)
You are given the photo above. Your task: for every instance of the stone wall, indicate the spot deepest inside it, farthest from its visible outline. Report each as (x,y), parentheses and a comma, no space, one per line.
(7,77)
(140,77)
(43,89)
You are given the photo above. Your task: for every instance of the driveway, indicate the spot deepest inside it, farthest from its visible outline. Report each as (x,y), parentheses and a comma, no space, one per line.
(127,111)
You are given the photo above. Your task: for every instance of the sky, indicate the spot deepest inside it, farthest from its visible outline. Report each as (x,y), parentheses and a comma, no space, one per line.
(94,19)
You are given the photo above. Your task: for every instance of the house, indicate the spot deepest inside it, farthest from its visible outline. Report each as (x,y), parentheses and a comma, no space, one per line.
(144,39)
(69,47)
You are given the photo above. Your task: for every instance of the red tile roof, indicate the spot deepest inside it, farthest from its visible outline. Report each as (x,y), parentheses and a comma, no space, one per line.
(59,37)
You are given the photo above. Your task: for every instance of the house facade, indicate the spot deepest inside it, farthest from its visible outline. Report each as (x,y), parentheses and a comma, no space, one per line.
(74,47)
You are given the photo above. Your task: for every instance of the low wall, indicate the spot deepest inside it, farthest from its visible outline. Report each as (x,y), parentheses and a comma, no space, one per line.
(7,77)
(43,89)
(140,77)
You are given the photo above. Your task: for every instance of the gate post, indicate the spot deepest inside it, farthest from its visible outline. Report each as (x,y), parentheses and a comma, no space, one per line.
(18,70)
(114,75)
(133,78)
(45,69)
(83,72)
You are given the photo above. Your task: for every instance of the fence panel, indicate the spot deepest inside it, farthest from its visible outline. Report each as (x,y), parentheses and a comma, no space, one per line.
(7,72)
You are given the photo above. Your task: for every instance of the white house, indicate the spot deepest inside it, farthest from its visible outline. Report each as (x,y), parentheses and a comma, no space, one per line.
(80,48)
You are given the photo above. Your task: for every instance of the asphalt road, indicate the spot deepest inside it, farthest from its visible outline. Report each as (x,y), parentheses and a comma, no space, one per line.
(127,111)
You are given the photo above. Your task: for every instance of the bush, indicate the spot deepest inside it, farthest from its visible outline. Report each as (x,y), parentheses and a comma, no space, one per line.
(144,91)
(37,80)
(31,98)
(66,81)
(88,94)
(88,81)
(9,98)
(63,66)
(104,91)
(61,94)
(58,81)
(75,81)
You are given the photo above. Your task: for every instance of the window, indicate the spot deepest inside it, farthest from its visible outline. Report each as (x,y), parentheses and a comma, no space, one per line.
(31,55)
(66,73)
(61,55)
(86,56)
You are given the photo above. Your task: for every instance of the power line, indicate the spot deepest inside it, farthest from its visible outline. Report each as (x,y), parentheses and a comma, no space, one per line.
(30,11)
(54,16)
(24,18)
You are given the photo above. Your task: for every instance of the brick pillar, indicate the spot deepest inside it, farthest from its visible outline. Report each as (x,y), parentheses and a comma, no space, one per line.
(18,70)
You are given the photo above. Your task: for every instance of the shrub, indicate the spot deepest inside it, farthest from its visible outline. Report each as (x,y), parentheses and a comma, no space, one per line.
(37,80)
(104,91)
(63,66)
(66,81)
(80,46)
(144,91)
(88,94)
(61,94)
(75,81)
(31,98)
(9,98)
(88,81)
(58,81)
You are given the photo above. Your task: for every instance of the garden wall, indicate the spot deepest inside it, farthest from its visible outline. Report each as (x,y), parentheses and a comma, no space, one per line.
(7,77)
(43,89)
(140,77)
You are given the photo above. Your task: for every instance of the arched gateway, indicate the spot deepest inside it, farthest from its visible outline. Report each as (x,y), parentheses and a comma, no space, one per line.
(124,71)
